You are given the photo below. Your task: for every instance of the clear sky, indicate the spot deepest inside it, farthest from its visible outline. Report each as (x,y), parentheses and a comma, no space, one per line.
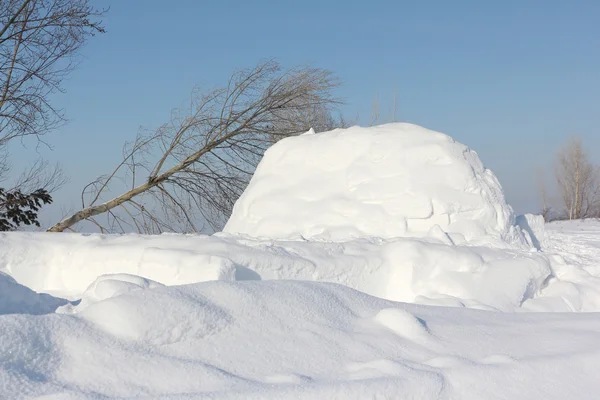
(510,79)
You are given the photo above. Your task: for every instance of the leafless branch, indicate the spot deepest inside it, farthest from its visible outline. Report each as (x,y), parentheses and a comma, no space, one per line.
(39,41)
(198,164)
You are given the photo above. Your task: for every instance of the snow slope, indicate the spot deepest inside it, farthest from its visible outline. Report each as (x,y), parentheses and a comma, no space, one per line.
(300,340)
(394,180)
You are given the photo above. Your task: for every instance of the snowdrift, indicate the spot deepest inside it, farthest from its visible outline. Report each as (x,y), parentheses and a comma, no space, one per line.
(68,263)
(395,180)
(293,340)
(403,269)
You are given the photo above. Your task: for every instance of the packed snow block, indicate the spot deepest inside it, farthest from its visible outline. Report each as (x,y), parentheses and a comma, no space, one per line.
(427,270)
(69,263)
(535,227)
(464,276)
(420,270)
(394,180)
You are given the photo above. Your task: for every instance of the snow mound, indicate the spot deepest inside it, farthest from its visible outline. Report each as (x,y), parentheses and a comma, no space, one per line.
(19,299)
(175,316)
(394,180)
(109,286)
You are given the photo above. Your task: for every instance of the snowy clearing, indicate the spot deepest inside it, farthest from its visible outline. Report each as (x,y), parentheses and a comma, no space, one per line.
(306,295)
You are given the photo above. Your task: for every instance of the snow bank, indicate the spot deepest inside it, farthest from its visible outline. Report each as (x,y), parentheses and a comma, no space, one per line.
(68,263)
(403,269)
(395,180)
(294,340)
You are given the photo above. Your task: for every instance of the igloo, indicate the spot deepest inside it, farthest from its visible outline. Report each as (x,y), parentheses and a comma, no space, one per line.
(393,180)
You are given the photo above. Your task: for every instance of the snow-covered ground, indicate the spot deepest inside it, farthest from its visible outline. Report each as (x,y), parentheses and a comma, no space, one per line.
(393,271)
(300,340)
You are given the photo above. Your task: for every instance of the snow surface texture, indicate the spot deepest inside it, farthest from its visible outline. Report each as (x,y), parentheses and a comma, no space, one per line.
(394,180)
(562,277)
(18,299)
(403,269)
(69,263)
(574,247)
(294,340)
(109,286)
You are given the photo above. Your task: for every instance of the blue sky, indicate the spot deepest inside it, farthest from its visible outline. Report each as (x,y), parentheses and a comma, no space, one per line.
(511,79)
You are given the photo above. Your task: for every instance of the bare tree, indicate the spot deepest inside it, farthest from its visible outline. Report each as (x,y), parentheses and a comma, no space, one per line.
(578,181)
(377,117)
(195,167)
(375,111)
(39,40)
(395,106)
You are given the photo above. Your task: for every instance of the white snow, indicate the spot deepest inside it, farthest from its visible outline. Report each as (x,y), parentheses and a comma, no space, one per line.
(108,286)
(574,248)
(404,324)
(18,299)
(294,340)
(404,269)
(534,227)
(395,180)
(300,298)
(69,263)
